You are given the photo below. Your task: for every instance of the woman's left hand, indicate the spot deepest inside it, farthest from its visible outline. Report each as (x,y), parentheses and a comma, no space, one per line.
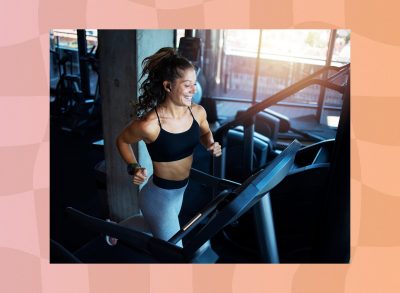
(215,149)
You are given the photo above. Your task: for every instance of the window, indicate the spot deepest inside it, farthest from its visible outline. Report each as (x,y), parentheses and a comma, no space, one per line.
(341,51)
(64,39)
(286,56)
(301,46)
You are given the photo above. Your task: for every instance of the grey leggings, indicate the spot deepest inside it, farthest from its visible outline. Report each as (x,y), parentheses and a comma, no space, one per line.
(160,208)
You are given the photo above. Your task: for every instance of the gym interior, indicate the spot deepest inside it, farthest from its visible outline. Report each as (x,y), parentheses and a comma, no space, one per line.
(278,101)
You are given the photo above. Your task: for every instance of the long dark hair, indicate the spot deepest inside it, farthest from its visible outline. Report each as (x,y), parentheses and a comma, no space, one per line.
(165,64)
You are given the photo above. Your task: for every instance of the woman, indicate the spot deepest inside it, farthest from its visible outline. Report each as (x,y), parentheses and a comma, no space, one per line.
(171,126)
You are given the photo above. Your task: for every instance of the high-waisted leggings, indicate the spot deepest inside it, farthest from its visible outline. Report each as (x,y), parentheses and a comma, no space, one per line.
(160,207)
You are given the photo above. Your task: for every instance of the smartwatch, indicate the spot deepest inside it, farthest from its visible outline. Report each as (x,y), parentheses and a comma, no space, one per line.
(132,167)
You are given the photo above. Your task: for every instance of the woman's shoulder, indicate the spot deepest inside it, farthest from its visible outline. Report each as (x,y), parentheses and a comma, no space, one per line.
(149,118)
(147,124)
(199,111)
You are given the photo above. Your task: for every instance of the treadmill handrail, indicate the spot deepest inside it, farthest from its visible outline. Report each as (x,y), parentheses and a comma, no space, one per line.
(200,216)
(344,69)
(211,180)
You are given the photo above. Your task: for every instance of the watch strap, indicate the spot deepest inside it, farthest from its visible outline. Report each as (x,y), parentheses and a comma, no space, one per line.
(131,168)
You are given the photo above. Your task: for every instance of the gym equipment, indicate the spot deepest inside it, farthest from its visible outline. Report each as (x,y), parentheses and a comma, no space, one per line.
(247,118)
(75,111)
(308,185)
(68,86)
(227,207)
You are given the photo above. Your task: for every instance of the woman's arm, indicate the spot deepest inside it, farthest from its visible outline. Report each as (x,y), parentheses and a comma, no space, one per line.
(132,133)
(206,136)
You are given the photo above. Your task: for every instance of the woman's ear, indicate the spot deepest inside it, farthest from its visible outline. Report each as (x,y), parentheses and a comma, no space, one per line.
(167,85)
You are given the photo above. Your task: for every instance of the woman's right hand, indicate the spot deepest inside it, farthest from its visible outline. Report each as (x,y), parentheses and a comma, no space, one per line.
(139,176)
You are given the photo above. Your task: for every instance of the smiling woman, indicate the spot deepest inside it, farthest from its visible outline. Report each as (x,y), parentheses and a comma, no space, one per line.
(171,126)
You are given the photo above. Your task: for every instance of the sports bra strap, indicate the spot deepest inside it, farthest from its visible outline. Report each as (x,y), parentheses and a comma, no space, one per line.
(191,113)
(159,122)
(158,117)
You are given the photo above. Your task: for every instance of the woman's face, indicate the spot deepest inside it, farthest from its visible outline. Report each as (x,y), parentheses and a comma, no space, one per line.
(182,89)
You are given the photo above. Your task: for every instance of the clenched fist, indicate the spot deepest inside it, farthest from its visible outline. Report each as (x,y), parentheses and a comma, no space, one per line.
(215,149)
(139,175)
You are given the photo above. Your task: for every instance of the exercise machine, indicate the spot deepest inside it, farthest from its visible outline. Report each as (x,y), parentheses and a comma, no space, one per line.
(317,178)
(224,209)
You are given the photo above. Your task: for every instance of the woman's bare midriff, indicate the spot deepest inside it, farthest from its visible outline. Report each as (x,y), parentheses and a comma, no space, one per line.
(176,170)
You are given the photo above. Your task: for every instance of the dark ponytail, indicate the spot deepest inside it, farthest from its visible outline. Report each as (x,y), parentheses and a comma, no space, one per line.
(164,65)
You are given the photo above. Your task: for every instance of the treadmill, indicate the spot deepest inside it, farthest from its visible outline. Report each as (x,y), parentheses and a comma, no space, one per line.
(137,247)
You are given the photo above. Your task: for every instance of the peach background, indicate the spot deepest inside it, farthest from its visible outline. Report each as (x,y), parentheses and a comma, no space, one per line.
(24,145)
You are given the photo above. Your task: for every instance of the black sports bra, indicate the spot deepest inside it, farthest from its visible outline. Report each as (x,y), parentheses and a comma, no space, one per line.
(170,147)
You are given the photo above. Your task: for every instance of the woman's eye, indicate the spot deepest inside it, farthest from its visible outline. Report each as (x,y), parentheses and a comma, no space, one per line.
(189,85)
